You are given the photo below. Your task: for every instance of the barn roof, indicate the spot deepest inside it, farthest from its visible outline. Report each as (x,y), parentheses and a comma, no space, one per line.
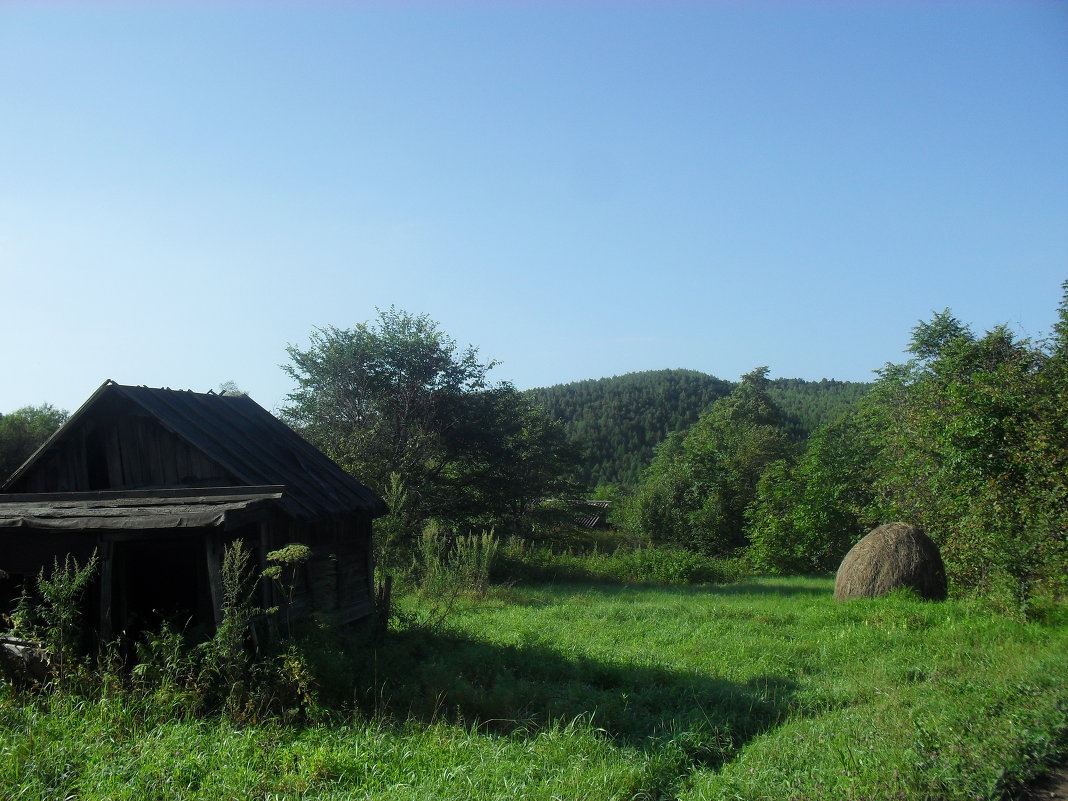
(247,441)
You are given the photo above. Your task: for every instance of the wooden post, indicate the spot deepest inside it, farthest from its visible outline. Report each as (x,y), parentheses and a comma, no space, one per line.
(107,571)
(368,528)
(213,553)
(380,610)
(266,588)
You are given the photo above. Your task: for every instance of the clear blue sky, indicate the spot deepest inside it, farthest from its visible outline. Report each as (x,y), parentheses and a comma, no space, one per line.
(577,189)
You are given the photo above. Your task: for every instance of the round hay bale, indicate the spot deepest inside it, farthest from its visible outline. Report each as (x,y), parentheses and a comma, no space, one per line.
(892,556)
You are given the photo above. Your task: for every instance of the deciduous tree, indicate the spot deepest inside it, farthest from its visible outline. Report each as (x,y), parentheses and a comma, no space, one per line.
(23,431)
(697,489)
(973,447)
(385,398)
(807,515)
(398,405)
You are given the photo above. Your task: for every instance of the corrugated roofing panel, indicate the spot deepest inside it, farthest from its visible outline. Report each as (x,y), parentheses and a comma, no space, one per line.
(257,447)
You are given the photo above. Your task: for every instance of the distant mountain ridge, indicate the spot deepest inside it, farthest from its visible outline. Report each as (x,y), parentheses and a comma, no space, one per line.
(621,420)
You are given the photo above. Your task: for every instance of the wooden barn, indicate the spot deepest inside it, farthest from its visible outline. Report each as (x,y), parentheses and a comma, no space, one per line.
(157,482)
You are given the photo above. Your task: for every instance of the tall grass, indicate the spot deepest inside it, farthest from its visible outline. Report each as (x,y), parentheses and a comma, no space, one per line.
(520,560)
(91,750)
(761,689)
(52,614)
(452,564)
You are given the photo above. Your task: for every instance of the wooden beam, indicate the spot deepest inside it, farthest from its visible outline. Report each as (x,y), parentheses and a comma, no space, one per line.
(159,492)
(107,568)
(266,585)
(213,553)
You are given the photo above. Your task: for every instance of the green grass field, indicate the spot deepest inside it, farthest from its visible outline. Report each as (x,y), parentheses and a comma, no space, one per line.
(760,690)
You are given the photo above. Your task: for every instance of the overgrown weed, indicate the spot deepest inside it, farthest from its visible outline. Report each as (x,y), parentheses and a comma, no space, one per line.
(522,561)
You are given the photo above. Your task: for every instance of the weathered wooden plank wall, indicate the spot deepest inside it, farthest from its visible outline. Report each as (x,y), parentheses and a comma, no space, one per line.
(132,452)
(334,582)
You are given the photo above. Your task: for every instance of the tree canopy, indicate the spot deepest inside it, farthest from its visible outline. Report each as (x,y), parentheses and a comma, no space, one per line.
(972,445)
(966,439)
(384,397)
(621,420)
(806,515)
(401,407)
(23,431)
(698,486)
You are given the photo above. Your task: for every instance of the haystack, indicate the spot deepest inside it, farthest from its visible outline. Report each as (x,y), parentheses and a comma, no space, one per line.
(892,556)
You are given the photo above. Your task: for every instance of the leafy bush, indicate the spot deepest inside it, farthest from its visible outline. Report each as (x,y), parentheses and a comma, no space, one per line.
(972,446)
(966,440)
(808,514)
(522,561)
(49,612)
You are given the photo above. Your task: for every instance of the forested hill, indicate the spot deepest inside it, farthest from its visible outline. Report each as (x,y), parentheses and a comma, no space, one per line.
(813,403)
(622,419)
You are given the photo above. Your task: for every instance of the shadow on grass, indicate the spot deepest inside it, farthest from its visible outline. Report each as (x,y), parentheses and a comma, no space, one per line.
(515,689)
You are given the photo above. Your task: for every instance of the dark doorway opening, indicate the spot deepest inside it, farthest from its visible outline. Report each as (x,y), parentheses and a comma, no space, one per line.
(157,580)
(10,590)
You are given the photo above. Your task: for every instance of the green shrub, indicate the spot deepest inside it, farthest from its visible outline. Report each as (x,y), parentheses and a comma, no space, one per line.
(50,613)
(520,561)
(451,564)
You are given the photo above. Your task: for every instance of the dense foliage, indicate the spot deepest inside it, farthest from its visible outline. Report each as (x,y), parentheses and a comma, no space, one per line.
(808,405)
(967,439)
(621,420)
(23,431)
(973,445)
(699,485)
(806,515)
(399,406)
